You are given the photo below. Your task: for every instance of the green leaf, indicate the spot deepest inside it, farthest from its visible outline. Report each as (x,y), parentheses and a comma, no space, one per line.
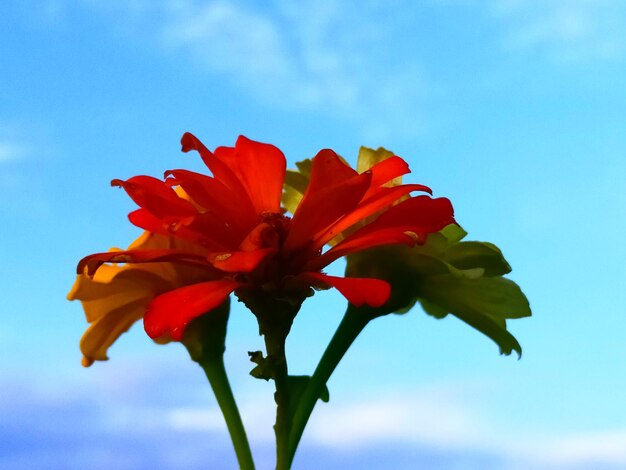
(369,157)
(494,296)
(291,198)
(296,385)
(433,309)
(454,233)
(482,303)
(305,167)
(469,255)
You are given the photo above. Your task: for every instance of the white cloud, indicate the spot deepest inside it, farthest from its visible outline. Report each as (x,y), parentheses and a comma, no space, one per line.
(317,56)
(447,418)
(567,30)
(603,447)
(10,151)
(434,416)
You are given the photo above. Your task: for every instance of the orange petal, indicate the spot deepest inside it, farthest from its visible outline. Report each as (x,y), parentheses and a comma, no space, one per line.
(169,313)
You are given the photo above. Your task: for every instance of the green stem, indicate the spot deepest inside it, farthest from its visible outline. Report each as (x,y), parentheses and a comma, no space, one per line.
(351,325)
(216,373)
(276,354)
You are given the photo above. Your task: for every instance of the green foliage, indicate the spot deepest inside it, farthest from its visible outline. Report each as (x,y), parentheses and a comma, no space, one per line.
(449,276)
(297,385)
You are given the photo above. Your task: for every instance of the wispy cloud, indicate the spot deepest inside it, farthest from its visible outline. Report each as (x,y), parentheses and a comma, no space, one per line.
(568,30)
(315,56)
(437,422)
(10,151)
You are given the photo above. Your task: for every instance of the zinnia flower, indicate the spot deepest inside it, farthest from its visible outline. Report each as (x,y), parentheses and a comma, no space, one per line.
(242,240)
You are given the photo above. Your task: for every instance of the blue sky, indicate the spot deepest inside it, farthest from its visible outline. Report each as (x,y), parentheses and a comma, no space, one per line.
(513,109)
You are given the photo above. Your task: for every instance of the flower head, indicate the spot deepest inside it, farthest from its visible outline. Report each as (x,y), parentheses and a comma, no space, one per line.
(243,241)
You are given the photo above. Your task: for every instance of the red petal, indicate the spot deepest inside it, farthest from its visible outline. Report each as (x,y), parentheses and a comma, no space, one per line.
(420,214)
(358,291)
(381,198)
(334,190)
(328,170)
(157,197)
(209,234)
(260,168)
(222,172)
(408,222)
(92,262)
(241,261)
(214,197)
(169,313)
(388,169)
(389,236)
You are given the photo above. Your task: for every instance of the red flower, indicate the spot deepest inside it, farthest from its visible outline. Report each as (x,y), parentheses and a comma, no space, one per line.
(245,241)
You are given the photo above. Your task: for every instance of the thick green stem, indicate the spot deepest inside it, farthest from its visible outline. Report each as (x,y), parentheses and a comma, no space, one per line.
(204,339)
(351,325)
(216,373)
(276,354)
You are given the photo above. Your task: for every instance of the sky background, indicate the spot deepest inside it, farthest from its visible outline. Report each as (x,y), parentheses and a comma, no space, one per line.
(513,109)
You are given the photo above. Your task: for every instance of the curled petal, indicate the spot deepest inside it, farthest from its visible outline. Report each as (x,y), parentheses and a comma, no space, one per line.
(90,264)
(157,198)
(212,195)
(169,313)
(223,173)
(358,291)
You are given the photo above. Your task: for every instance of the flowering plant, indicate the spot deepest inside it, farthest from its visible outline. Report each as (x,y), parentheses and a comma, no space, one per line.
(206,237)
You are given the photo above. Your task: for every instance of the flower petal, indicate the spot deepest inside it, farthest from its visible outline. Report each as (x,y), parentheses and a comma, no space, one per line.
(328,169)
(215,197)
(104,331)
(408,222)
(380,199)
(420,214)
(358,291)
(389,236)
(157,198)
(260,168)
(222,172)
(388,169)
(90,264)
(169,313)
(241,261)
